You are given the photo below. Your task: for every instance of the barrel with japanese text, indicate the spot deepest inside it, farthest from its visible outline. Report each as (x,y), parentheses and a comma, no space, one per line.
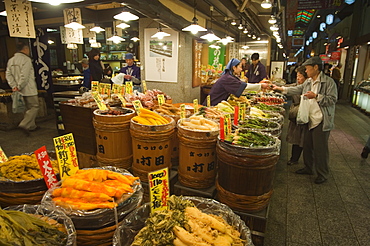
(152,147)
(113,138)
(245,175)
(197,157)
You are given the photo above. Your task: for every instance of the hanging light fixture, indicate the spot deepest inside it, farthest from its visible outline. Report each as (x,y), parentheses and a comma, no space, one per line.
(274,28)
(50,41)
(214,46)
(245,31)
(245,46)
(240,27)
(259,38)
(210,36)
(126,16)
(266,4)
(135,39)
(160,34)
(272,20)
(95,45)
(97,29)
(71,46)
(123,25)
(56,2)
(3,13)
(194,28)
(254,36)
(116,39)
(74,24)
(233,23)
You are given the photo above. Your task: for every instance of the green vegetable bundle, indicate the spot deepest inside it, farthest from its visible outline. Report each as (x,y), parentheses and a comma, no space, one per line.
(22,229)
(257,123)
(252,139)
(266,107)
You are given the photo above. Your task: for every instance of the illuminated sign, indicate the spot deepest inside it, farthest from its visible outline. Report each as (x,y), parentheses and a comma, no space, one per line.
(322,26)
(329,19)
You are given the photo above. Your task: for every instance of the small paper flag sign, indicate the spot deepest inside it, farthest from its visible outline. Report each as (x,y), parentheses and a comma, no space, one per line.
(3,157)
(129,87)
(137,106)
(195,105)
(116,88)
(123,101)
(161,99)
(143,83)
(66,154)
(236,115)
(209,101)
(46,167)
(159,189)
(242,109)
(99,100)
(182,111)
(94,85)
(227,124)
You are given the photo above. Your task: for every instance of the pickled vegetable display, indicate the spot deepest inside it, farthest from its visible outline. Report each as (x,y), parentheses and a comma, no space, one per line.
(257,123)
(250,139)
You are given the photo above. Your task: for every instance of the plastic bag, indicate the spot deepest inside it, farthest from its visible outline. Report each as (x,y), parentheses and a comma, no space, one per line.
(293,112)
(303,111)
(18,105)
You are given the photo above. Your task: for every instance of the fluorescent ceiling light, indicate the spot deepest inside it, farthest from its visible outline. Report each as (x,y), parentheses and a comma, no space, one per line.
(210,36)
(3,13)
(116,39)
(135,39)
(56,2)
(97,29)
(123,25)
(74,25)
(126,16)
(266,4)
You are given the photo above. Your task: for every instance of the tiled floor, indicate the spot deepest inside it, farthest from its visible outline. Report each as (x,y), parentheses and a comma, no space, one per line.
(301,212)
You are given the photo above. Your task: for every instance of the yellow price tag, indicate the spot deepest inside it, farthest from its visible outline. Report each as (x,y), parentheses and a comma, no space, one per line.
(116,88)
(99,100)
(101,89)
(3,157)
(129,87)
(94,85)
(196,106)
(123,101)
(108,89)
(66,154)
(227,124)
(159,189)
(160,98)
(143,82)
(123,90)
(209,101)
(137,106)
(182,111)
(243,107)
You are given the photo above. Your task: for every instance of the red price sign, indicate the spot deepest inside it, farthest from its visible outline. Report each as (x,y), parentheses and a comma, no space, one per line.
(45,166)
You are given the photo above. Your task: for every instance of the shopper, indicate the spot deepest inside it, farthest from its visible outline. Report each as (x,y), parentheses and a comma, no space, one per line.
(319,89)
(366,150)
(229,83)
(257,71)
(95,64)
(327,68)
(131,71)
(87,75)
(245,65)
(295,131)
(336,74)
(21,77)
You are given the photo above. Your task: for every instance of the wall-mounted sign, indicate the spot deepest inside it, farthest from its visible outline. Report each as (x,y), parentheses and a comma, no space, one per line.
(20,19)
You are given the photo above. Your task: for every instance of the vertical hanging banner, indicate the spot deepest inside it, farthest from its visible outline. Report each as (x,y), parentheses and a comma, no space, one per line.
(20,19)
(197,63)
(159,189)
(46,167)
(41,62)
(66,155)
(73,36)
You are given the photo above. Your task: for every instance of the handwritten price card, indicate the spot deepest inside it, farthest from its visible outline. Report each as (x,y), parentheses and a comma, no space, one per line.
(99,100)
(160,98)
(137,106)
(46,167)
(3,157)
(129,87)
(94,85)
(182,111)
(208,101)
(196,106)
(159,189)
(66,154)
(144,86)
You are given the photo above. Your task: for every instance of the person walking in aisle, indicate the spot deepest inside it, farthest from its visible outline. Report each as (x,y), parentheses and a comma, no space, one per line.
(257,71)
(366,150)
(296,132)
(322,91)
(21,77)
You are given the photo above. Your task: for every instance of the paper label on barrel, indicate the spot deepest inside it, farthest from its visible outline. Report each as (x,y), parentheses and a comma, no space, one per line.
(46,167)
(201,161)
(99,100)
(182,111)
(94,85)
(143,83)
(137,106)
(208,101)
(159,189)
(3,157)
(195,104)
(129,87)
(66,154)
(160,98)
(123,101)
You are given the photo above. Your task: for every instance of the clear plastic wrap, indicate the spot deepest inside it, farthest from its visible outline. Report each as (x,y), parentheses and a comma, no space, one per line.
(274,131)
(276,109)
(99,218)
(52,213)
(135,221)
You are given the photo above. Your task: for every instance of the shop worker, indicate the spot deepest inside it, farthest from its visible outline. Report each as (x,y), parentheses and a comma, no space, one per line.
(257,71)
(131,72)
(95,64)
(21,77)
(229,83)
(86,71)
(320,89)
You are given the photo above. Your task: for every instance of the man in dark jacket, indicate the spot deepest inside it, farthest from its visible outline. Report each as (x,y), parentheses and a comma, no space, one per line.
(257,70)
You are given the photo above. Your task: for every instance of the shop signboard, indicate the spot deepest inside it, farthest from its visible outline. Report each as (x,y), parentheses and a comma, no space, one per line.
(216,56)
(197,63)
(297,42)
(320,4)
(20,19)
(71,35)
(86,33)
(335,55)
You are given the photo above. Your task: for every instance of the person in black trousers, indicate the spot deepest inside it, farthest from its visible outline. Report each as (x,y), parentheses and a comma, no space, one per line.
(95,65)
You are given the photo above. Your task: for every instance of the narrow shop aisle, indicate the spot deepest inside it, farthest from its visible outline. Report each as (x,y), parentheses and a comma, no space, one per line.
(336,212)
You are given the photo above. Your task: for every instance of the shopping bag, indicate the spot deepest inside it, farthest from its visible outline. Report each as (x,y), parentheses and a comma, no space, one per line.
(293,112)
(303,114)
(18,105)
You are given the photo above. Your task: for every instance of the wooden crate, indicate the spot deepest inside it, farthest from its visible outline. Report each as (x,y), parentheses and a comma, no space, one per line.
(257,224)
(181,190)
(79,121)
(173,180)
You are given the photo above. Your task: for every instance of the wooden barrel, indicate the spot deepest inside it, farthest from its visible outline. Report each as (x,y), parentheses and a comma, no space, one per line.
(152,147)
(113,138)
(197,159)
(245,175)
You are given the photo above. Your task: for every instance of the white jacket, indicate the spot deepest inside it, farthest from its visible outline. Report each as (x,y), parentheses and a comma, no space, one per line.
(20,73)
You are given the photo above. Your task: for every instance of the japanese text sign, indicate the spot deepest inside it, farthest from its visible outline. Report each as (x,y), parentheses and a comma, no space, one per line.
(143,82)
(118,89)
(137,105)
(227,124)
(182,111)
(159,189)
(123,101)
(94,85)
(3,157)
(71,35)
(46,167)
(20,19)
(236,115)
(99,100)
(160,98)
(222,128)
(208,101)
(196,106)
(66,154)
(242,109)
(129,87)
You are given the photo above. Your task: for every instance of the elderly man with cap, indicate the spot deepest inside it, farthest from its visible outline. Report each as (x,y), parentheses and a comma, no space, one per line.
(320,89)
(229,83)
(257,71)
(129,73)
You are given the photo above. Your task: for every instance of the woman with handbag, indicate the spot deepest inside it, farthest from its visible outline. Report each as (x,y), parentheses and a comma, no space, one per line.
(295,131)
